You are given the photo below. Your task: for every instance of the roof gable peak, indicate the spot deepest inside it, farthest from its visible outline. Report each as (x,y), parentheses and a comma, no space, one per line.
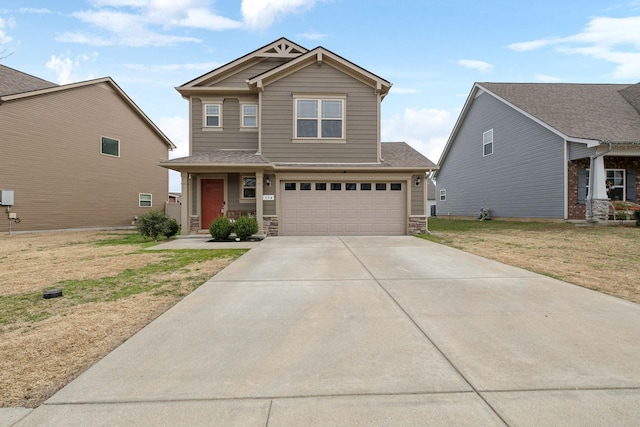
(281,48)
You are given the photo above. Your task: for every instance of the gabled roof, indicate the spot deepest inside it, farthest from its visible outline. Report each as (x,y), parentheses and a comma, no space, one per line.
(320,55)
(14,81)
(281,48)
(72,86)
(586,113)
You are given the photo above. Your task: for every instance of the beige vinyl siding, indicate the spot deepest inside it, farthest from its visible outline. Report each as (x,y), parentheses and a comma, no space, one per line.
(230,137)
(360,115)
(239,80)
(51,159)
(418,204)
(234,191)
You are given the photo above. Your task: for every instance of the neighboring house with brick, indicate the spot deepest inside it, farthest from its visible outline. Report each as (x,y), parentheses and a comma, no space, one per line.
(80,155)
(534,150)
(292,136)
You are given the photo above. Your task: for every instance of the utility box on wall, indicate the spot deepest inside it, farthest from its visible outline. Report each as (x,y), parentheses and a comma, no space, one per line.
(6,197)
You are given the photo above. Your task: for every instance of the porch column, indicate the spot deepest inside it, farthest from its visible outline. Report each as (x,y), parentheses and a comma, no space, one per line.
(184,207)
(259,201)
(598,200)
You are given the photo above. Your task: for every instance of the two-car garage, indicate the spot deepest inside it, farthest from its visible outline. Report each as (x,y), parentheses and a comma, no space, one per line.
(325,208)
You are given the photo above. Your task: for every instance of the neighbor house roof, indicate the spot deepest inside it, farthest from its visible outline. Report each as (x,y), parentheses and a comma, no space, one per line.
(14,81)
(396,156)
(53,88)
(596,112)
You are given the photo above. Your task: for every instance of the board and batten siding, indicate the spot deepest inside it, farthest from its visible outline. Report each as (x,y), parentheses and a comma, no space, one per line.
(230,137)
(361,112)
(51,159)
(523,178)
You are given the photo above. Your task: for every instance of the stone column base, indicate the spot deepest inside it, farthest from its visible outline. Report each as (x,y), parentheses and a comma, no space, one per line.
(417,224)
(599,210)
(194,224)
(270,225)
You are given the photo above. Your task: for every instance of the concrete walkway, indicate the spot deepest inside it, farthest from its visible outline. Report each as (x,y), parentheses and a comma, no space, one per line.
(357,331)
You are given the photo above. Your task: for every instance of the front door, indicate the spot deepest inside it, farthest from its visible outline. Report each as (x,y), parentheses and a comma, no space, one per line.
(212,200)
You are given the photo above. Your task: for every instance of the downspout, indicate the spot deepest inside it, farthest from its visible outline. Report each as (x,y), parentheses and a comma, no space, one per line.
(592,159)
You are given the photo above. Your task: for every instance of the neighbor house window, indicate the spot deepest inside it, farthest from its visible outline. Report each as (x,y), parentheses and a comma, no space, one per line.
(443,195)
(319,118)
(615,183)
(248,187)
(213,115)
(144,200)
(249,115)
(109,146)
(487,143)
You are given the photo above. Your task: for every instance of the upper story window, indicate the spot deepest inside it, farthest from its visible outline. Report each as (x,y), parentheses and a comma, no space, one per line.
(319,118)
(249,115)
(443,195)
(213,115)
(487,143)
(109,146)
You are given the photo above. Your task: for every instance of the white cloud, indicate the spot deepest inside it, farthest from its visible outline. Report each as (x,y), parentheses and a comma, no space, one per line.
(34,10)
(615,40)
(544,78)
(194,66)
(483,67)
(4,25)
(312,35)
(63,66)
(261,14)
(426,129)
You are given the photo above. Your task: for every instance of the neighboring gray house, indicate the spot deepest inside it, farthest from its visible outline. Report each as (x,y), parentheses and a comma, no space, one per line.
(81,155)
(533,150)
(292,136)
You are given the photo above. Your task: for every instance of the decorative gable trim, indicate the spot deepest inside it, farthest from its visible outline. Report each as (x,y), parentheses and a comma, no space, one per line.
(281,48)
(320,56)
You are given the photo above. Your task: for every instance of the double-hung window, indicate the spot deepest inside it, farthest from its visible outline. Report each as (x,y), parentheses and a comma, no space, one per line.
(248,187)
(212,115)
(487,143)
(319,118)
(249,115)
(144,200)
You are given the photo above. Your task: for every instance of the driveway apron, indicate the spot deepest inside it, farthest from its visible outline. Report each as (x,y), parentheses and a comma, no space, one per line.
(368,331)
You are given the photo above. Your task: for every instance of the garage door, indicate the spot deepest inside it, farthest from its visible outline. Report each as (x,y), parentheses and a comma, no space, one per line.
(342,208)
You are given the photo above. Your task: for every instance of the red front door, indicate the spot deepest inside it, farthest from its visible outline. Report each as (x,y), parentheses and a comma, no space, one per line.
(212,200)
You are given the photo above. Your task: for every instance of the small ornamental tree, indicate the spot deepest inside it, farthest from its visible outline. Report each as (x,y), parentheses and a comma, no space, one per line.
(220,228)
(156,223)
(246,226)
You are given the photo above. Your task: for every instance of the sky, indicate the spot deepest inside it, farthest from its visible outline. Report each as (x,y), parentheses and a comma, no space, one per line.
(432,51)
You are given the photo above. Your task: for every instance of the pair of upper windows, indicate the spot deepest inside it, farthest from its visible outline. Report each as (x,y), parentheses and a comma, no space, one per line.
(314,118)
(213,115)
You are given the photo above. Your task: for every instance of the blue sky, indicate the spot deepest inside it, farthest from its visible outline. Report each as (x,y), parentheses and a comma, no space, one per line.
(431,51)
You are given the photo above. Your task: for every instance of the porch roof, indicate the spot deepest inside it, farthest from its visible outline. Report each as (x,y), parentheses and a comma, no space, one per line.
(395,156)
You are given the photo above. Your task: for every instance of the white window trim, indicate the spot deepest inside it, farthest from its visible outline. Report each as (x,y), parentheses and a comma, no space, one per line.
(485,142)
(242,187)
(107,154)
(140,200)
(443,195)
(204,115)
(624,181)
(242,116)
(318,98)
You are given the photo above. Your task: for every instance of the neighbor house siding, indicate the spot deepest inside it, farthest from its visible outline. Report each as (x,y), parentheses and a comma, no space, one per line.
(51,159)
(360,116)
(522,178)
(231,136)
(580,151)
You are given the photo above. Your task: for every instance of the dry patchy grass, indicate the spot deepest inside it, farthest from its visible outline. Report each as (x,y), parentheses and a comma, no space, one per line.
(606,259)
(111,292)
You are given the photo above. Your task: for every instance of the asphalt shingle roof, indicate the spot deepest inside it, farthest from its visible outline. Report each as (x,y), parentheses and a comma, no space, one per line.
(14,81)
(603,112)
(394,154)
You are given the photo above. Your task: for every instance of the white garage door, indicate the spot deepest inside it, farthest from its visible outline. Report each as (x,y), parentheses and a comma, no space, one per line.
(342,208)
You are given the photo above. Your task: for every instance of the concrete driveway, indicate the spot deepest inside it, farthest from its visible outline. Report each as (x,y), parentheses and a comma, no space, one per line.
(358,331)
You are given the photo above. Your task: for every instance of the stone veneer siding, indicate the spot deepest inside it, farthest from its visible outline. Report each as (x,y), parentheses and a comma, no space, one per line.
(417,225)
(194,223)
(270,225)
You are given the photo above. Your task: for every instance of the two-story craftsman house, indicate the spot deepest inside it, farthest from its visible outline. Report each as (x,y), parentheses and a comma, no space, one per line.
(292,136)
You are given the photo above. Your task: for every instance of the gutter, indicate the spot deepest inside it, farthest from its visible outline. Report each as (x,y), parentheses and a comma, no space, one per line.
(592,159)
